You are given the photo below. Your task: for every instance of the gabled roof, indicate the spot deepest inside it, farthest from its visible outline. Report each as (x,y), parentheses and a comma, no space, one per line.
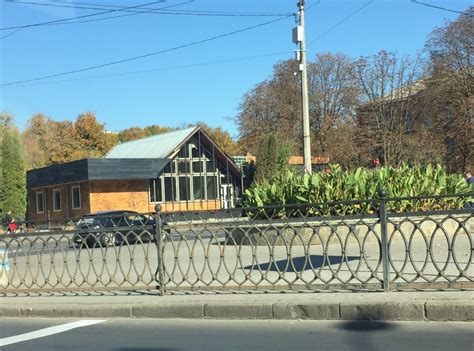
(156,146)
(164,146)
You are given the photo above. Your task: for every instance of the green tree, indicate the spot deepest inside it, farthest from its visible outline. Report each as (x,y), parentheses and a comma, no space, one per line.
(272,157)
(13,189)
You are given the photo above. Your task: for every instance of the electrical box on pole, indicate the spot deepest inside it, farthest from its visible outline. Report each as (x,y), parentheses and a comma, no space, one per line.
(297,55)
(298,34)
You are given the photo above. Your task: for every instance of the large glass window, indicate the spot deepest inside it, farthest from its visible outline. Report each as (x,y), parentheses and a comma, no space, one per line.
(57,200)
(170,189)
(183,152)
(184,189)
(210,166)
(76,197)
(39,202)
(156,192)
(183,167)
(191,176)
(211,187)
(197,167)
(198,188)
(195,152)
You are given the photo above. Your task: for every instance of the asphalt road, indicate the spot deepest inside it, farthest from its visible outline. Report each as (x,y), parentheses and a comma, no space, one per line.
(183,335)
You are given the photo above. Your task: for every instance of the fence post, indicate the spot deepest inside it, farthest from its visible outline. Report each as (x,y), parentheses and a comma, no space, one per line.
(384,236)
(159,246)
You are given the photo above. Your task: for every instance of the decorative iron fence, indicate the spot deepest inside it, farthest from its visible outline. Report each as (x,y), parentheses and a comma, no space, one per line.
(291,247)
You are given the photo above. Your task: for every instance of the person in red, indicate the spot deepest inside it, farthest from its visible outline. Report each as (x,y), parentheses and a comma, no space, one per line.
(9,223)
(376,162)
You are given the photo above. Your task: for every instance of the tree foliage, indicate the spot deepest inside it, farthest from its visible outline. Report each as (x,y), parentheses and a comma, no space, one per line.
(12,169)
(387,117)
(135,133)
(272,106)
(333,96)
(53,142)
(92,139)
(399,109)
(272,157)
(451,86)
(222,138)
(275,106)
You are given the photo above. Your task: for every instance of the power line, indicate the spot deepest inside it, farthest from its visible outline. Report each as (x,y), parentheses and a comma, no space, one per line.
(209,63)
(77,17)
(190,11)
(126,15)
(312,5)
(340,22)
(437,7)
(11,33)
(174,12)
(149,54)
(103,18)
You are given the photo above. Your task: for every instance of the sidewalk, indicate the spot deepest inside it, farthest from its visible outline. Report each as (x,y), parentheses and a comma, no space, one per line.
(393,306)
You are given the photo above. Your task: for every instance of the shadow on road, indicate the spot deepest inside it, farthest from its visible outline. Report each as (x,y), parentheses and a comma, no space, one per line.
(360,334)
(298,264)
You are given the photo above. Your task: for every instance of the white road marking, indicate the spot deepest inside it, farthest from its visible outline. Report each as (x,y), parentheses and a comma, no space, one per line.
(47,331)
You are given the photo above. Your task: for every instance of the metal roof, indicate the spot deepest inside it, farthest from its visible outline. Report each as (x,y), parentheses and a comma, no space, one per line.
(157,146)
(95,169)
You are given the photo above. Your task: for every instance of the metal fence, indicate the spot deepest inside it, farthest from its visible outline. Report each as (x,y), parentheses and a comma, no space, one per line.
(291,247)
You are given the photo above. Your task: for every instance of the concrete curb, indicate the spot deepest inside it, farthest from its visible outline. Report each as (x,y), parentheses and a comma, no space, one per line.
(430,310)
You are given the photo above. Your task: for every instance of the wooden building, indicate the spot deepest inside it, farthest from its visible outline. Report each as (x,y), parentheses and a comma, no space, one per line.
(183,170)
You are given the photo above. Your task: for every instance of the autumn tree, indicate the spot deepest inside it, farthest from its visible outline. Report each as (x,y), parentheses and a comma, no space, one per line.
(130,134)
(273,105)
(222,138)
(342,147)
(333,98)
(35,138)
(135,133)
(156,129)
(53,142)
(93,140)
(388,114)
(450,89)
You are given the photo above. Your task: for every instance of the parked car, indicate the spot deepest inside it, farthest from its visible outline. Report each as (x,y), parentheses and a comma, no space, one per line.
(110,228)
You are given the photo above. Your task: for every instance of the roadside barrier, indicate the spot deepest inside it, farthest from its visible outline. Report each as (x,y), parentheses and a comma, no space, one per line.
(293,247)
(4,268)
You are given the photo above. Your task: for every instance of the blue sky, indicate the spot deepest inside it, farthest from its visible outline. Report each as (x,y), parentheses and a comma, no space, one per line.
(204,82)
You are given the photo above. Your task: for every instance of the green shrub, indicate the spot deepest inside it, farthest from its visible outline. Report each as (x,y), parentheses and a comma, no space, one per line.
(361,184)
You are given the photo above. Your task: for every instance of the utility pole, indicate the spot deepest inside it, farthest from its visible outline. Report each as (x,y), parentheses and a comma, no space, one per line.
(298,38)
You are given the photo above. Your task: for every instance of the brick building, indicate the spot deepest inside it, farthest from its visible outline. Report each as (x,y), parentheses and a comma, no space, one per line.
(183,170)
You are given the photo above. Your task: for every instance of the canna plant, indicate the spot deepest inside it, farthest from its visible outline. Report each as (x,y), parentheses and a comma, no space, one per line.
(360,184)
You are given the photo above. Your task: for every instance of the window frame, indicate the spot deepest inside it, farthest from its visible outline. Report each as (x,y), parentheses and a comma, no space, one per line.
(56,191)
(79,197)
(156,182)
(38,202)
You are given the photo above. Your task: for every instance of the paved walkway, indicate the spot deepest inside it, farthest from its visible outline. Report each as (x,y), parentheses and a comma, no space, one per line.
(406,306)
